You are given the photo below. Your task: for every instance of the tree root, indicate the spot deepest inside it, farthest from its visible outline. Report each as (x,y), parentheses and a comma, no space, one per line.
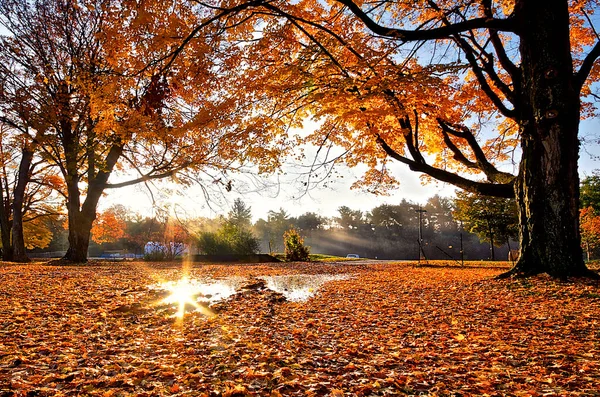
(589,273)
(65,262)
(516,273)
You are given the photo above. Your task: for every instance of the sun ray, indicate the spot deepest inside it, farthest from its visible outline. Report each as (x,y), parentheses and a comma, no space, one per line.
(183,293)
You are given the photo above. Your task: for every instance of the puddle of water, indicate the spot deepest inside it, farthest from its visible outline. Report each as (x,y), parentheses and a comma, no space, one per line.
(296,288)
(300,287)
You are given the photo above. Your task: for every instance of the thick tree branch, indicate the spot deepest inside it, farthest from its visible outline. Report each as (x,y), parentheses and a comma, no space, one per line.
(489,189)
(473,53)
(586,66)
(458,154)
(481,79)
(503,58)
(98,183)
(488,66)
(443,32)
(482,163)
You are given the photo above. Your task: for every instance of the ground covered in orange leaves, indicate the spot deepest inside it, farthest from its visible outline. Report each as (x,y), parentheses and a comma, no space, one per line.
(389,329)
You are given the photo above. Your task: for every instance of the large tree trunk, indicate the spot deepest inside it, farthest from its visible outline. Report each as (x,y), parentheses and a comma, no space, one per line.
(81,217)
(80,226)
(18,238)
(80,220)
(547,187)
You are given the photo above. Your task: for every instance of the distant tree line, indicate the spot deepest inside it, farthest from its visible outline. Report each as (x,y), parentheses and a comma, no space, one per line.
(392,231)
(388,231)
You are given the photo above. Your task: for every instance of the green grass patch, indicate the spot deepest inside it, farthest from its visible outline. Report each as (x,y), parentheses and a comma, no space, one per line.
(319,258)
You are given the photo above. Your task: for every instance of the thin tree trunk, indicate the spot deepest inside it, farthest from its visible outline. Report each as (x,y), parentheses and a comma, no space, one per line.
(18,238)
(492,252)
(5,228)
(587,251)
(547,187)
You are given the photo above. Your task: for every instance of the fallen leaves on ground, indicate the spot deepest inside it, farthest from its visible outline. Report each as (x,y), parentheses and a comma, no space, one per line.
(388,330)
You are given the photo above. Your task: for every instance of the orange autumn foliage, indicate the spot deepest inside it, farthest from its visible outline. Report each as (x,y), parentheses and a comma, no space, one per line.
(590,229)
(108,227)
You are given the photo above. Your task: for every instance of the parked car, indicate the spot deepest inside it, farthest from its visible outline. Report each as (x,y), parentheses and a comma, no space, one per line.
(352,256)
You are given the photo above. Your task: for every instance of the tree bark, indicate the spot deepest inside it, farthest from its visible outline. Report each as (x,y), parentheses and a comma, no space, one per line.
(18,238)
(547,187)
(80,226)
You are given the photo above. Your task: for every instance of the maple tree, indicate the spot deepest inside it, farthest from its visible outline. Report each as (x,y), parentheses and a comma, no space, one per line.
(101,96)
(452,90)
(37,230)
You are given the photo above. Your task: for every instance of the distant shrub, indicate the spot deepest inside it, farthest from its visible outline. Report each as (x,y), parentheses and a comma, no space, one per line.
(245,243)
(230,239)
(295,250)
(212,244)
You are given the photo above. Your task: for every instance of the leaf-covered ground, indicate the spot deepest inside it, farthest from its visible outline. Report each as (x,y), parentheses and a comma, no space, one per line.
(387,330)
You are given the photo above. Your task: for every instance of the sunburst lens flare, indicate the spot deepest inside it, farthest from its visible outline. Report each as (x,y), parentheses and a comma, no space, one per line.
(183,293)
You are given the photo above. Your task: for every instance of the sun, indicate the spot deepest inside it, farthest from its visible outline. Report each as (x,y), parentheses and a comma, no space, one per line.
(182,293)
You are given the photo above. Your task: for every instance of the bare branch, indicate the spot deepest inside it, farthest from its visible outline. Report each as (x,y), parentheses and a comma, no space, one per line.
(223,13)
(505,61)
(146,178)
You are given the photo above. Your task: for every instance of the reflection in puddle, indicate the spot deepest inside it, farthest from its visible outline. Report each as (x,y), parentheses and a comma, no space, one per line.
(199,294)
(201,291)
(300,287)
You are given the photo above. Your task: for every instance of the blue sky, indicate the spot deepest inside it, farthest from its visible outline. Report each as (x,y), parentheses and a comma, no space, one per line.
(325,201)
